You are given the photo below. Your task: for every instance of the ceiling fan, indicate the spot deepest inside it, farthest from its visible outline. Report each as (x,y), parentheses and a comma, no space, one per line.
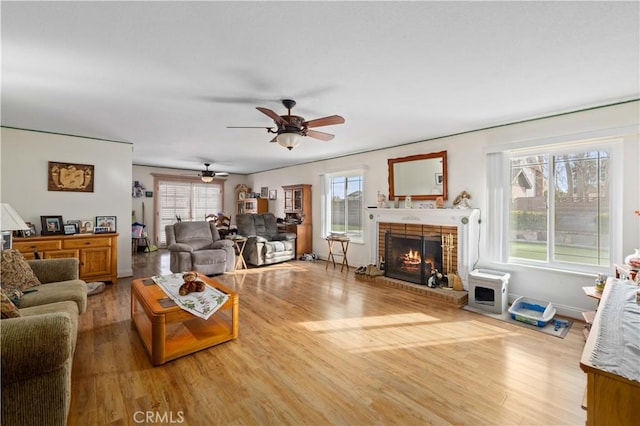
(208,175)
(290,128)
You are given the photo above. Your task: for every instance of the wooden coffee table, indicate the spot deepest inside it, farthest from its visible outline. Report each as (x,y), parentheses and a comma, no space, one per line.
(169,332)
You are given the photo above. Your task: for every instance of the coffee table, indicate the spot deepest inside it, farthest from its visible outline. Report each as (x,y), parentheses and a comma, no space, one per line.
(169,332)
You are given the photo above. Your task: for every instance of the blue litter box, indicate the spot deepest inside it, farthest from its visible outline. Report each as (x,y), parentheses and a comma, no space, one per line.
(532,311)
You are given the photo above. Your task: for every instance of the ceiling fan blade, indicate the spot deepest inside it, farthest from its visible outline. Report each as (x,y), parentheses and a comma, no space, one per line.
(249,127)
(325,121)
(320,135)
(221,174)
(275,117)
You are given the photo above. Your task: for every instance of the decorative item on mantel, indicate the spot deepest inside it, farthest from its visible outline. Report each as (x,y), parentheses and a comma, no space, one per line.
(381,200)
(407,202)
(462,201)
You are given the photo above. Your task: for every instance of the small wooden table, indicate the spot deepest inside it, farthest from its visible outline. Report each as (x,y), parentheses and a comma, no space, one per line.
(169,332)
(344,244)
(239,243)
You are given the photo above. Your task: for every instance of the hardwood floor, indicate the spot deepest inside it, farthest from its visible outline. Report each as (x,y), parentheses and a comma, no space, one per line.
(318,347)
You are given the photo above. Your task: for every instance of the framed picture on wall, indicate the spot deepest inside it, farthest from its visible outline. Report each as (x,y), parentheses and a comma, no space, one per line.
(70,177)
(273,194)
(264,192)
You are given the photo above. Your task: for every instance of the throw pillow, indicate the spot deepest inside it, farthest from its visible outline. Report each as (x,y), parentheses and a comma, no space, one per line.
(15,272)
(9,310)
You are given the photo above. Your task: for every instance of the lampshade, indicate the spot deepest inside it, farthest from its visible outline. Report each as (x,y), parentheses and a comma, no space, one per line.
(11,220)
(206,179)
(289,140)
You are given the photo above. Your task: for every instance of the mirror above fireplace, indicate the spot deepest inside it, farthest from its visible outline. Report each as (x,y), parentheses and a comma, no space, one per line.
(423,176)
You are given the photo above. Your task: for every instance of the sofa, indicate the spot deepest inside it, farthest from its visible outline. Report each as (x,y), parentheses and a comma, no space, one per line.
(265,244)
(197,246)
(38,344)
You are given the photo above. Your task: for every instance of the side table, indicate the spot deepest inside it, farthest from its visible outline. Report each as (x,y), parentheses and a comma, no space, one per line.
(135,243)
(239,243)
(344,245)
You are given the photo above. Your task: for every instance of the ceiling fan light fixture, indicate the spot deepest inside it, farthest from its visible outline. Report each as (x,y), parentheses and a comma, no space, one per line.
(289,140)
(207,175)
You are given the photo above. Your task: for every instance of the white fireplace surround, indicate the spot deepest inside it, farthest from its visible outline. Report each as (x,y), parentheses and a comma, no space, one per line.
(467,222)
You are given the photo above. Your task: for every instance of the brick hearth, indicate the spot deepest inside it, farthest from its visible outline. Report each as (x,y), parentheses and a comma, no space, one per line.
(450,297)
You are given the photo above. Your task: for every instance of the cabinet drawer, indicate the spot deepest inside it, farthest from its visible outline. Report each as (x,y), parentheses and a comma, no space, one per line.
(30,246)
(79,243)
(60,254)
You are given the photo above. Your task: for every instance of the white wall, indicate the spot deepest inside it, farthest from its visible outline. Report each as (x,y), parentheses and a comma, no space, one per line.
(467,171)
(24,161)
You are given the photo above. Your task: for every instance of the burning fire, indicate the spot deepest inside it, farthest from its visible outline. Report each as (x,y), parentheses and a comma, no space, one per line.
(411,261)
(411,258)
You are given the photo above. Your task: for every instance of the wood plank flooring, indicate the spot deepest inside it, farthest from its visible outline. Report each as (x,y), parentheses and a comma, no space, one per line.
(318,347)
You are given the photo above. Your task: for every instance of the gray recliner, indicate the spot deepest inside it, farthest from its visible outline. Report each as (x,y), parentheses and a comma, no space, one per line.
(197,246)
(265,245)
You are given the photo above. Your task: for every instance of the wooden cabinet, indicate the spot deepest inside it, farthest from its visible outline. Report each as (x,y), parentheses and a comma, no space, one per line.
(297,211)
(303,236)
(253,205)
(611,399)
(297,199)
(97,253)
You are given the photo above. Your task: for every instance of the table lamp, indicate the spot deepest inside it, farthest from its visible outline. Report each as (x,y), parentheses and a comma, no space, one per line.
(10,221)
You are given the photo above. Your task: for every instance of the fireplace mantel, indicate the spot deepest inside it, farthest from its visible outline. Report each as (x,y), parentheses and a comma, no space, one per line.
(467,222)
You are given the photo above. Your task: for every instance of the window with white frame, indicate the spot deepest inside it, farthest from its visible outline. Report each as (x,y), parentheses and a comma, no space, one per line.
(343,210)
(187,201)
(556,206)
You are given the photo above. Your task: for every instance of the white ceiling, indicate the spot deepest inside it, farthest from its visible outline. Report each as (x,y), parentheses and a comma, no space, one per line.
(169,77)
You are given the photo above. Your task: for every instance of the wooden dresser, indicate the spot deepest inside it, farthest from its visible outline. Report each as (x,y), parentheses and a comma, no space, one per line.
(97,253)
(610,398)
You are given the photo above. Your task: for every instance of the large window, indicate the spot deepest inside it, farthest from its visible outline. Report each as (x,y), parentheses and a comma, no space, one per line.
(559,203)
(344,209)
(187,201)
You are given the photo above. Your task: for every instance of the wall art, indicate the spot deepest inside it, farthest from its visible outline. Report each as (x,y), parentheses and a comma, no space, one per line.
(70,177)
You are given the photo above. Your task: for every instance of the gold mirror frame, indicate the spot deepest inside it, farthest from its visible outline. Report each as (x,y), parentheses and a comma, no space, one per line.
(423,176)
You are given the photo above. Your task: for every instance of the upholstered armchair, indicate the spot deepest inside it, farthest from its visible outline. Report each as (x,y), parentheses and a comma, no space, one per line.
(265,245)
(197,246)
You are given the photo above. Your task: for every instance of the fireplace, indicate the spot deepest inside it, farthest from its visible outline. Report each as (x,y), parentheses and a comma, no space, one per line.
(460,228)
(412,257)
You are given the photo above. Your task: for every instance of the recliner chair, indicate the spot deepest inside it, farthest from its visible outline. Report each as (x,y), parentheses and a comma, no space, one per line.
(265,245)
(197,246)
